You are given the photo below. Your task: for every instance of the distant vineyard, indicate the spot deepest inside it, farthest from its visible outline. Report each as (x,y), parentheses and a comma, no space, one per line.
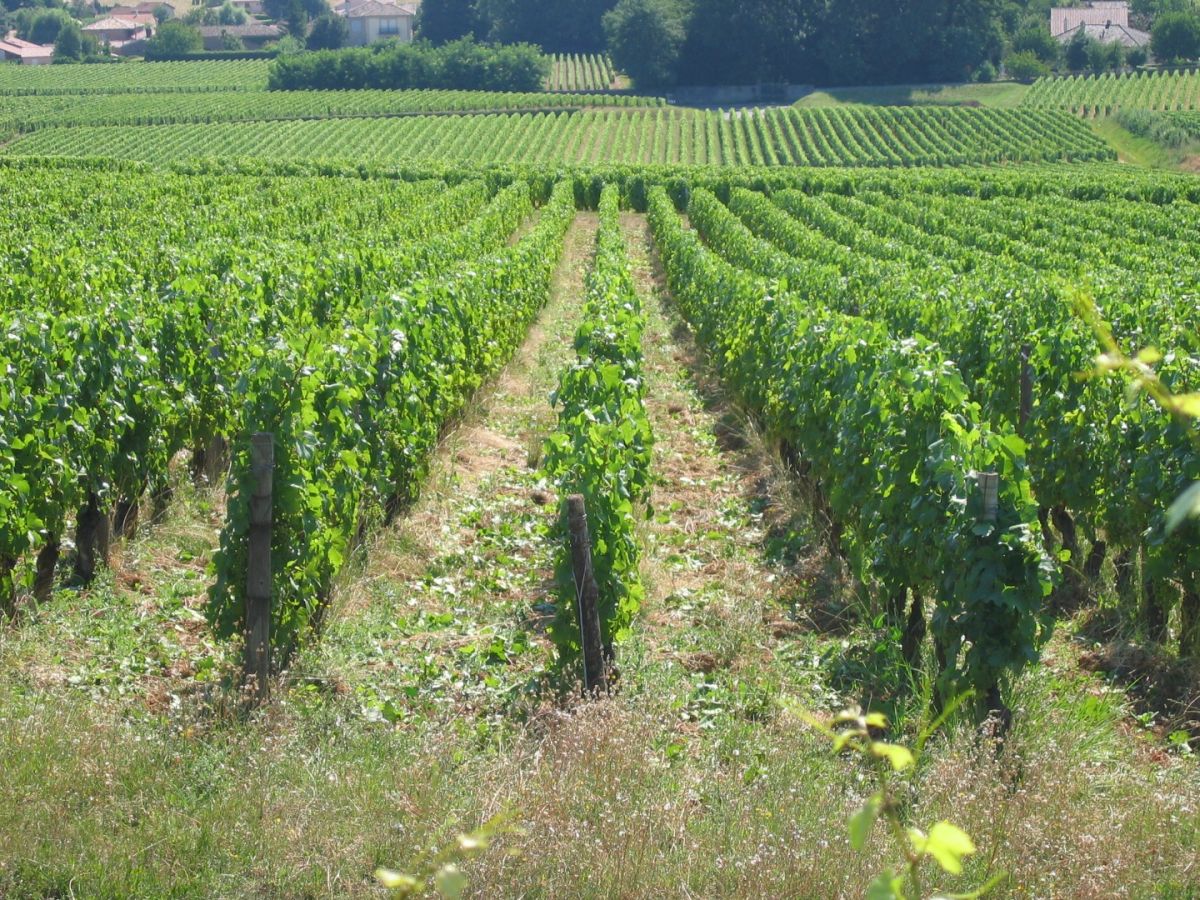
(133,78)
(581,72)
(779,137)
(1101,95)
(31,113)
(570,72)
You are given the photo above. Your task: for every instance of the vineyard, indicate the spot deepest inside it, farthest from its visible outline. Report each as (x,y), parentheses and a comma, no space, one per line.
(582,72)
(135,78)
(570,73)
(778,137)
(571,494)
(1102,95)
(24,114)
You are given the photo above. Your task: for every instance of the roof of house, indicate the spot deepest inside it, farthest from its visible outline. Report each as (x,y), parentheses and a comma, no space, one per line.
(121,23)
(24,49)
(251,30)
(127,11)
(376,9)
(1108,34)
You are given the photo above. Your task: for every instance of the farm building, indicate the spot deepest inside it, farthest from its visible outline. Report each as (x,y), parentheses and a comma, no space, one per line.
(374,21)
(119,30)
(253,35)
(1106,21)
(13,49)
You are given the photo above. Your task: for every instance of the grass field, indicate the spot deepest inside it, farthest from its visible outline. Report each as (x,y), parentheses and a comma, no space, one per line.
(1005,94)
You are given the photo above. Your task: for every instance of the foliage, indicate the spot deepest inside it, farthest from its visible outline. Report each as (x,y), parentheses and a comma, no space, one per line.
(884,433)
(173,38)
(46,25)
(441,21)
(1103,57)
(440,870)
(587,72)
(552,24)
(1162,91)
(1037,40)
(356,396)
(1166,129)
(1176,36)
(778,137)
(69,43)
(462,64)
(1025,66)
(1077,52)
(945,844)
(603,443)
(644,39)
(329,32)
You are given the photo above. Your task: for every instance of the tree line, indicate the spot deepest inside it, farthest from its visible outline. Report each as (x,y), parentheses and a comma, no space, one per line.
(663,42)
(711,42)
(462,64)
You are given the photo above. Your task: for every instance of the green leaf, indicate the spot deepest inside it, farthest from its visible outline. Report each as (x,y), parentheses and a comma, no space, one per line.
(886,886)
(396,881)
(1186,506)
(948,844)
(1187,405)
(900,757)
(450,881)
(863,820)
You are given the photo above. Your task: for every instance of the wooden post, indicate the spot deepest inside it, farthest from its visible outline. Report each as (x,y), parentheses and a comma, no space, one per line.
(1026,408)
(258,565)
(91,540)
(587,598)
(47,560)
(989,489)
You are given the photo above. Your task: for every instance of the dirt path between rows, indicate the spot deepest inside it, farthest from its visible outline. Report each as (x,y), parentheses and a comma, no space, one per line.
(715,499)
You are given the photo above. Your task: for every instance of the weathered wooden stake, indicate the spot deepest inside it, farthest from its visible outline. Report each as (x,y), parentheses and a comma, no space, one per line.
(258,565)
(91,540)
(47,561)
(989,489)
(587,597)
(1026,408)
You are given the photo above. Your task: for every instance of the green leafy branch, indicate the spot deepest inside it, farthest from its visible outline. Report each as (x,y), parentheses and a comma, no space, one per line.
(851,731)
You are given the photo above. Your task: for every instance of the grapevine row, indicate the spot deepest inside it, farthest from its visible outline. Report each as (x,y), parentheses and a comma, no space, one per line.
(983,277)
(849,137)
(602,445)
(882,432)
(356,405)
(1102,95)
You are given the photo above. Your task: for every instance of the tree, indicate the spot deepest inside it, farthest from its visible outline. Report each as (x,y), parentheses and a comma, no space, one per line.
(174,38)
(439,21)
(744,43)
(162,12)
(557,26)
(1076,55)
(1025,66)
(69,43)
(644,39)
(329,32)
(295,12)
(1105,57)
(1175,36)
(1036,39)
(231,42)
(47,24)
(231,15)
